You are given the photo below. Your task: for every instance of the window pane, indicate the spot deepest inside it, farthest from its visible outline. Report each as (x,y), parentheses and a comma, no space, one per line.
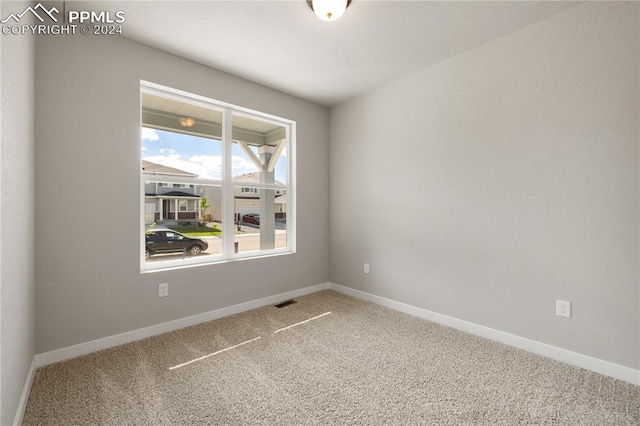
(258,143)
(261,221)
(181,145)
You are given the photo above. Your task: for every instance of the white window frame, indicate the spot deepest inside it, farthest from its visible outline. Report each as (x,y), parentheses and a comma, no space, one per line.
(226,183)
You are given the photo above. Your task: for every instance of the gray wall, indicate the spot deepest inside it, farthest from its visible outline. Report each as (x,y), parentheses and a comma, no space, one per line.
(499,180)
(88,283)
(16,219)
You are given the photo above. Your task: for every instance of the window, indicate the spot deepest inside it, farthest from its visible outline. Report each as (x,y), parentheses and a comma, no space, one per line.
(217,175)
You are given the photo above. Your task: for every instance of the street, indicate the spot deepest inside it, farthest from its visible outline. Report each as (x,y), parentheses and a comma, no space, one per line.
(246,242)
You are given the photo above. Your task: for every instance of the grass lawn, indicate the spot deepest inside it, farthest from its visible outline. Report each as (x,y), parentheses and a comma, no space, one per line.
(197,231)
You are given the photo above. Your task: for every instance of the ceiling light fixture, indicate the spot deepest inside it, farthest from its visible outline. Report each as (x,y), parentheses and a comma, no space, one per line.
(329,10)
(187,122)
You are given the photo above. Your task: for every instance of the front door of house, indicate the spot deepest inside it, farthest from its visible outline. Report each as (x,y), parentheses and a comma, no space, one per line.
(166,209)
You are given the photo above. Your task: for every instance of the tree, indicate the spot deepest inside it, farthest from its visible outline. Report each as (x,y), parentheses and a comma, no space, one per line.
(204,205)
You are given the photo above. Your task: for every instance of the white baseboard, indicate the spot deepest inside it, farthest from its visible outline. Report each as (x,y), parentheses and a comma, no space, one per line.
(22,404)
(607,368)
(63,354)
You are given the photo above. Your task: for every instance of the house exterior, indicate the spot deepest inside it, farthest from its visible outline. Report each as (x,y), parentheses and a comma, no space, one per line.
(167,200)
(247,198)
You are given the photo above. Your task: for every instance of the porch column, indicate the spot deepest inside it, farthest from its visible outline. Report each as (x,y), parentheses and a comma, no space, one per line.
(161,210)
(267,198)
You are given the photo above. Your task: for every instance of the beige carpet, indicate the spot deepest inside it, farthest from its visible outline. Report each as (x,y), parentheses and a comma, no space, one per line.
(358,364)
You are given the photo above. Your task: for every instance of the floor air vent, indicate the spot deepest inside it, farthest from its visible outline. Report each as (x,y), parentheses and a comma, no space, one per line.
(285,303)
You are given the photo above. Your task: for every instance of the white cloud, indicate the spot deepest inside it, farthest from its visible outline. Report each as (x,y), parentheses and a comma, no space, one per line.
(149,134)
(205,166)
(241,165)
(169,151)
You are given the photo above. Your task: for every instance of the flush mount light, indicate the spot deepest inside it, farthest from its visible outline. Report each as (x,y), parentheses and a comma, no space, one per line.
(329,10)
(187,122)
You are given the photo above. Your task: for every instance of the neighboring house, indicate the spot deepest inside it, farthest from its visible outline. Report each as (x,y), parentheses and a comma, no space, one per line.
(181,201)
(247,198)
(167,200)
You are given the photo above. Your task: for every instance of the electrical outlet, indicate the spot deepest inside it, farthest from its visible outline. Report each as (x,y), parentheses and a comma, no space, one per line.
(563,308)
(163,290)
(366,268)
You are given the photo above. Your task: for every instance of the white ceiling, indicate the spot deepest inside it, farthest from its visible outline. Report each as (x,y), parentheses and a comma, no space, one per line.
(281,44)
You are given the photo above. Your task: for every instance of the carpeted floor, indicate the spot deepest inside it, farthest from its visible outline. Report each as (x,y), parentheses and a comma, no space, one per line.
(346,362)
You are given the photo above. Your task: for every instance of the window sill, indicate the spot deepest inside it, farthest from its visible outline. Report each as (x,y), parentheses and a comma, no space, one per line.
(172,265)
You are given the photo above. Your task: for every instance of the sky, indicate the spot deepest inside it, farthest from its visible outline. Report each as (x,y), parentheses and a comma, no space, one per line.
(198,155)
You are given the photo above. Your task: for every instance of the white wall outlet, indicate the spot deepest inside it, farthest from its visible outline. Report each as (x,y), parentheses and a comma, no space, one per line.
(366,268)
(163,290)
(563,308)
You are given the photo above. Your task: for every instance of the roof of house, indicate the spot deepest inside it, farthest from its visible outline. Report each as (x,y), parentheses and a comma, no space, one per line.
(173,194)
(159,169)
(251,177)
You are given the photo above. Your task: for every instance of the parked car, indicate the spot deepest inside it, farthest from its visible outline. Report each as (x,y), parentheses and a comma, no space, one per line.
(251,218)
(170,241)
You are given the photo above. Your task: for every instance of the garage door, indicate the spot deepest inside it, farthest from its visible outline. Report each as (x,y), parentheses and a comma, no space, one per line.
(149,213)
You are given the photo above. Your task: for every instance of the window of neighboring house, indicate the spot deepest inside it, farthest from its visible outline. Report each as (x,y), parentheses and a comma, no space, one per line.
(220,151)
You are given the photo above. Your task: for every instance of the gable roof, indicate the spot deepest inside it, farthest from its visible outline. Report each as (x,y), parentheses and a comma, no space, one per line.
(173,194)
(159,169)
(251,178)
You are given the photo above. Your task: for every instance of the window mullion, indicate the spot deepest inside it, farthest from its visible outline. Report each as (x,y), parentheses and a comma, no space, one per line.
(291,190)
(227,187)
